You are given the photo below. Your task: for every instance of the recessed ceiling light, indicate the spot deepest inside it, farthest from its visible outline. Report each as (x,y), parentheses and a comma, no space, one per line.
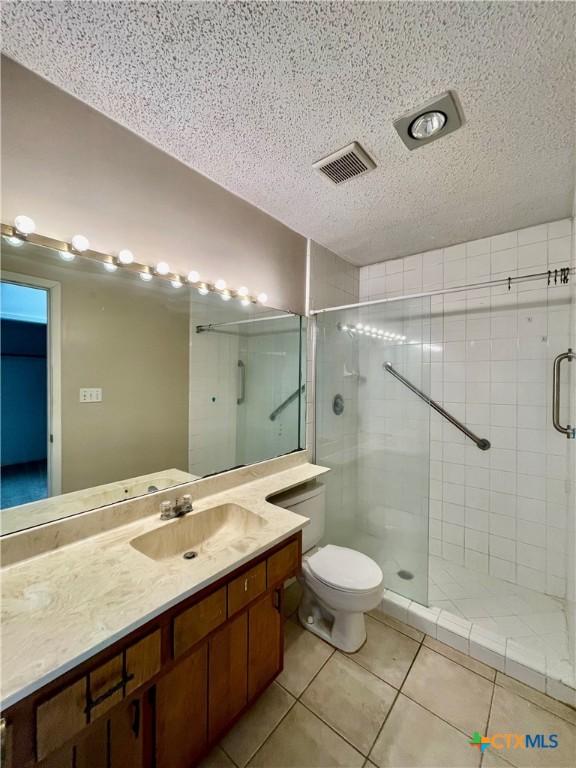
(427,125)
(431,121)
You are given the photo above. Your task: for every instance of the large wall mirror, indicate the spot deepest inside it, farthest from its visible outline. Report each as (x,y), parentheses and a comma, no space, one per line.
(113,387)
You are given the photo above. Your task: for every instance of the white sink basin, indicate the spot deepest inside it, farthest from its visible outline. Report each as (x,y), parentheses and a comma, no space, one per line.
(199,533)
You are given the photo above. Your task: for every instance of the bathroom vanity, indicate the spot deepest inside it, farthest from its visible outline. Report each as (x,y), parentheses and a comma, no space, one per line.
(154,669)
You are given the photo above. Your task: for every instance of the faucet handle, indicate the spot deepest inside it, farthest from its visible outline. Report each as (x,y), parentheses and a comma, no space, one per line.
(184,503)
(166,509)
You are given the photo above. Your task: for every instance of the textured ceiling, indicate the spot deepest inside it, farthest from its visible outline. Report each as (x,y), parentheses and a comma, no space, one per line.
(251,94)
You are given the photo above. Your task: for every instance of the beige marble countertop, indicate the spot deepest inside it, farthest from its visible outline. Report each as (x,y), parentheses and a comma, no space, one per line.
(61,607)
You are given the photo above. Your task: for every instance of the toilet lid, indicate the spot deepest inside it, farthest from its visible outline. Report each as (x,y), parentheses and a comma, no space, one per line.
(345,569)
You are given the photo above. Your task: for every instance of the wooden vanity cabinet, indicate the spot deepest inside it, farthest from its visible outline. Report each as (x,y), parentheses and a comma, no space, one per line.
(163,696)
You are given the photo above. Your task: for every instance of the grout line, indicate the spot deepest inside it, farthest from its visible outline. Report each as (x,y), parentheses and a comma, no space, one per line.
(397,694)
(490,709)
(219,745)
(522,695)
(284,716)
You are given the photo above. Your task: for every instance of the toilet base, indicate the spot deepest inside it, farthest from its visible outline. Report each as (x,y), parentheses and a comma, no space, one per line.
(344,630)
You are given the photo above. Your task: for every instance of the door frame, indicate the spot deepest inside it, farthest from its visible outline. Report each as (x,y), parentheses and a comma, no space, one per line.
(54,378)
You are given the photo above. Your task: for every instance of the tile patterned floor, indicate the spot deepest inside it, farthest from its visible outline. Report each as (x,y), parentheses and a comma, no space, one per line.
(404,700)
(534,620)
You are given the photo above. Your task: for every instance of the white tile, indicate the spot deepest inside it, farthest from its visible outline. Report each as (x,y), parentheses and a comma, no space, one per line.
(503,503)
(423,618)
(503,526)
(479,247)
(453,631)
(531,556)
(453,553)
(559,251)
(546,623)
(528,577)
(488,647)
(455,252)
(502,569)
(535,234)
(476,540)
(559,690)
(476,519)
(503,482)
(504,262)
(453,534)
(504,241)
(395,605)
(560,228)
(503,549)
(533,255)
(527,666)
(476,561)
(531,533)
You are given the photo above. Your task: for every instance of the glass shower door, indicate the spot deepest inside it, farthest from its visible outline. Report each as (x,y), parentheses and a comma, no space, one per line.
(373,431)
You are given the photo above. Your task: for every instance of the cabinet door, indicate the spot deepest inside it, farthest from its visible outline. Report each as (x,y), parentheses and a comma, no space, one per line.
(126,736)
(182,712)
(228,674)
(91,748)
(265,642)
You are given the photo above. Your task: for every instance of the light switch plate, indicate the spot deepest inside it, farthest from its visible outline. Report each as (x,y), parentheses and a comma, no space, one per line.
(91,395)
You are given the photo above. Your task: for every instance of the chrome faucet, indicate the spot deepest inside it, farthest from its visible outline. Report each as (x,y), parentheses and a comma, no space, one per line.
(171,509)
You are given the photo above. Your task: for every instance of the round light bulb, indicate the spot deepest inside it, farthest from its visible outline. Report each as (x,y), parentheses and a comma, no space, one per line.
(146,276)
(242,291)
(109,266)
(427,125)
(80,243)
(125,256)
(15,241)
(359,327)
(245,301)
(220,285)
(193,276)
(162,268)
(67,255)
(24,224)
(176,283)
(262,298)
(203,289)
(225,295)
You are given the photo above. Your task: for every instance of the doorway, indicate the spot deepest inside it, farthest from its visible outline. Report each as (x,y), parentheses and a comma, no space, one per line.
(29,471)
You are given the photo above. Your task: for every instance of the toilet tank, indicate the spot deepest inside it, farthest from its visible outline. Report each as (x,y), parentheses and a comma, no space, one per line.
(308,500)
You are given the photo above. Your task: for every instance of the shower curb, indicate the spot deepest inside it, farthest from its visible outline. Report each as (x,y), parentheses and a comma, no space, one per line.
(550,676)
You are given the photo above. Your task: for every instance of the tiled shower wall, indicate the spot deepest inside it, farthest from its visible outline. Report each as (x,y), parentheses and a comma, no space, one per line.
(505,511)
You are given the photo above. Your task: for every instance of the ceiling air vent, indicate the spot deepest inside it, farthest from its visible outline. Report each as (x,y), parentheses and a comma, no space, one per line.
(345,164)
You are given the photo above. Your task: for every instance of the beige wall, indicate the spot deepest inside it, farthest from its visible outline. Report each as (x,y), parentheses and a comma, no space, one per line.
(73,170)
(132,341)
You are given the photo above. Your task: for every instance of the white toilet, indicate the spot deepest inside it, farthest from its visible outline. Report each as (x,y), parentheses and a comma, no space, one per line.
(340,584)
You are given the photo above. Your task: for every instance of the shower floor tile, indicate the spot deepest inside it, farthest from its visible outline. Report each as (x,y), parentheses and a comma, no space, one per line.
(532,619)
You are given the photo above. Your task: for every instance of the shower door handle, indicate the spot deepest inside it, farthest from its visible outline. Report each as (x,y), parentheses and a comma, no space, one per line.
(242,372)
(569,431)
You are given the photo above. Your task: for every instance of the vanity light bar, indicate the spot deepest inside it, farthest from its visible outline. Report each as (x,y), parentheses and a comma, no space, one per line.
(24,230)
(360,329)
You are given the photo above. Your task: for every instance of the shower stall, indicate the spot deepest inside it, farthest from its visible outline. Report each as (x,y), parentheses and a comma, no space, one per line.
(444,417)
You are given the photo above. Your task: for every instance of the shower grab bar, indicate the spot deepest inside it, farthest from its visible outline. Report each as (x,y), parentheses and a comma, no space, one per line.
(287,402)
(569,431)
(481,442)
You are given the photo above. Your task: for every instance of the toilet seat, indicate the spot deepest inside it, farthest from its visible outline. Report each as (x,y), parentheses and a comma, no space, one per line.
(345,569)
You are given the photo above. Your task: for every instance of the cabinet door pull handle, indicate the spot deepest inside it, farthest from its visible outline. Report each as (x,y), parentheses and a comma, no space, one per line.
(245,585)
(2,740)
(136,718)
(276,599)
(103,696)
